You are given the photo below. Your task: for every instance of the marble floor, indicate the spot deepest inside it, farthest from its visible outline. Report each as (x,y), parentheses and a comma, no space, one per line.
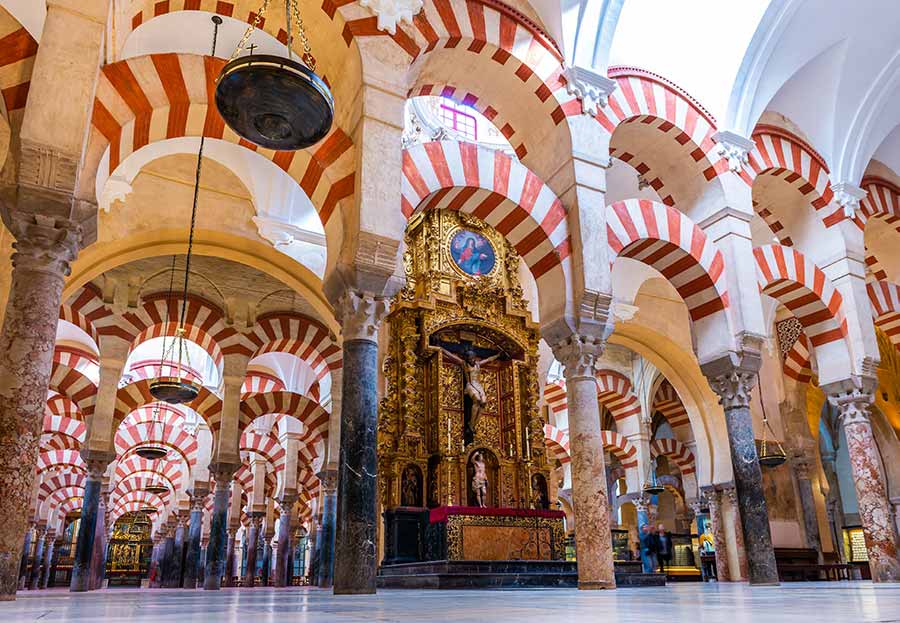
(856,602)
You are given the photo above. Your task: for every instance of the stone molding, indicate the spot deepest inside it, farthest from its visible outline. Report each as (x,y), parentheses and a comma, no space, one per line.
(848,196)
(361,314)
(852,406)
(43,167)
(579,354)
(589,87)
(733,388)
(45,244)
(734,148)
(391,12)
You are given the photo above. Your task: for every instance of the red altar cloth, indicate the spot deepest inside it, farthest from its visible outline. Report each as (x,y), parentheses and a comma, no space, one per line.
(440,514)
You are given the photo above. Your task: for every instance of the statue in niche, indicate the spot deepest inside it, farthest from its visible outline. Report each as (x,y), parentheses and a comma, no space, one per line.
(539,497)
(479,480)
(477,398)
(410,494)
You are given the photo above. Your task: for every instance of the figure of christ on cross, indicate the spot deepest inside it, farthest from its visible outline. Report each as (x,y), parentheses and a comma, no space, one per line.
(471,366)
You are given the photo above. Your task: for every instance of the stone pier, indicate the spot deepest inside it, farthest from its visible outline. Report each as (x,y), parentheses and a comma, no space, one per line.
(218,529)
(328,479)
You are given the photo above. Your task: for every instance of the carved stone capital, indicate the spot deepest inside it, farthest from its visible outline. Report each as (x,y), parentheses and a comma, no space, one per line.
(641,504)
(329,480)
(361,315)
(44,243)
(696,507)
(222,473)
(578,354)
(852,406)
(589,87)
(96,463)
(848,196)
(390,12)
(198,498)
(734,148)
(802,467)
(287,501)
(730,492)
(711,495)
(733,375)
(733,388)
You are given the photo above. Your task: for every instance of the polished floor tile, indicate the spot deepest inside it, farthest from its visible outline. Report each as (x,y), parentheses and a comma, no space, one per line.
(856,602)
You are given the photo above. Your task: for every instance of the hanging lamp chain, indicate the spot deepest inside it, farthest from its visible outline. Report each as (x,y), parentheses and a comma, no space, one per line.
(257,20)
(308,59)
(767,428)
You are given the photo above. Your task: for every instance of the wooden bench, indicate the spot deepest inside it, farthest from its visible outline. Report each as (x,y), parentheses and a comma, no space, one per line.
(798,564)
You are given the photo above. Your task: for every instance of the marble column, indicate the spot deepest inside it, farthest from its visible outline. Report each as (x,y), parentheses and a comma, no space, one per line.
(286,504)
(218,529)
(192,559)
(266,561)
(26,557)
(802,467)
(229,559)
(153,570)
(730,493)
(643,515)
(82,578)
(356,523)
(202,566)
(593,543)
(313,570)
(43,249)
(733,382)
(49,549)
(875,511)
(714,502)
(252,545)
(34,577)
(101,537)
(174,579)
(168,559)
(325,537)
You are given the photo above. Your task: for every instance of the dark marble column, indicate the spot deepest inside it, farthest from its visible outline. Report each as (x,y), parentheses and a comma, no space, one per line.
(168,559)
(98,558)
(154,573)
(192,559)
(43,249)
(202,567)
(286,505)
(174,579)
(218,529)
(229,559)
(802,467)
(49,549)
(82,578)
(325,536)
(26,557)
(875,511)
(355,534)
(266,561)
(313,570)
(34,577)
(733,384)
(252,543)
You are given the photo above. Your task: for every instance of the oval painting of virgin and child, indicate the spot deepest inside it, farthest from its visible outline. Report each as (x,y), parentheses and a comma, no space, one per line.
(472,253)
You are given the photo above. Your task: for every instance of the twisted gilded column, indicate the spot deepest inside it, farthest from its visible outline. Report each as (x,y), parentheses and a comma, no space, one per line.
(732,381)
(42,252)
(875,511)
(355,548)
(218,529)
(578,355)
(328,480)
(192,559)
(285,504)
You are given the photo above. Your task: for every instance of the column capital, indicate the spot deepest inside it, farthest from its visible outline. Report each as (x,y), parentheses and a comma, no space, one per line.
(848,195)
(578,354)
(588,87)
(852,398)
(96,462)
(710,494)
(734,148)
(44,243)
(802,467)
(641,504)
(287,500)
(222,472)
(730,491)
(198,498)
(696,506)
(328,479)
(360,314)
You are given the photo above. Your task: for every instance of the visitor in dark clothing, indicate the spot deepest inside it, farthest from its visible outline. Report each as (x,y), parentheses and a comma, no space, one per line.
(664,548)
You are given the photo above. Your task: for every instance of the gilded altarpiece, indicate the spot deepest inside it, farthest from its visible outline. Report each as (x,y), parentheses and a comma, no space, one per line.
(462,295)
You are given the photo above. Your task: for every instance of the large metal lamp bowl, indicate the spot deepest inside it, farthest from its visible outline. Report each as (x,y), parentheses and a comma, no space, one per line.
(152,452)
(772,458)
(274,102)
(174,390)
(653,489)
(156,488)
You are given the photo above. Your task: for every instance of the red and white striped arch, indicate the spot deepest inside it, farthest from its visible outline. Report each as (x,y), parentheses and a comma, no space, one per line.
(885,299)
(556,397)
(73,384)
(298,335)
(135,500)
(137,394)
(134,436)
(58,481)
(258,382)
(667,402)
(16,63)
(167,414)
(500,191)
(645,98)
(59,441)
(63,495)
(57,404)
(53,459)
(313,417)
(655,182)
(614,393)
(153,98)
(620,448)
(267,446)
(65,425)
(881,201)
(244,477)
(670,242)
(134,466)
(558,443)
(796,282)
(797,360)
(124,490)
(781,154)
(675,451)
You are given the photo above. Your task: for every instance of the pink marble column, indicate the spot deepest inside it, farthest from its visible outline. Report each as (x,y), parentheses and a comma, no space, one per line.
(43,249)
(871,493)
(714,500)
(593,541)
(731,494)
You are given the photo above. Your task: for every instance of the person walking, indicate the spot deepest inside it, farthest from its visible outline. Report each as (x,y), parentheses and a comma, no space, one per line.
(648,543)
(664,548)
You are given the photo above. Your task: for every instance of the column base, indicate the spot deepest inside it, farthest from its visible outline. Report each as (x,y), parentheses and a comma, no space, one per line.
(354,591)
(776,583)
(596,586)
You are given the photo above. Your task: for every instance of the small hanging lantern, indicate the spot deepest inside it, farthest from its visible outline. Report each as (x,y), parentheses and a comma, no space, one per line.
(769,456)
(154,450)
(273,101)
(652,487)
